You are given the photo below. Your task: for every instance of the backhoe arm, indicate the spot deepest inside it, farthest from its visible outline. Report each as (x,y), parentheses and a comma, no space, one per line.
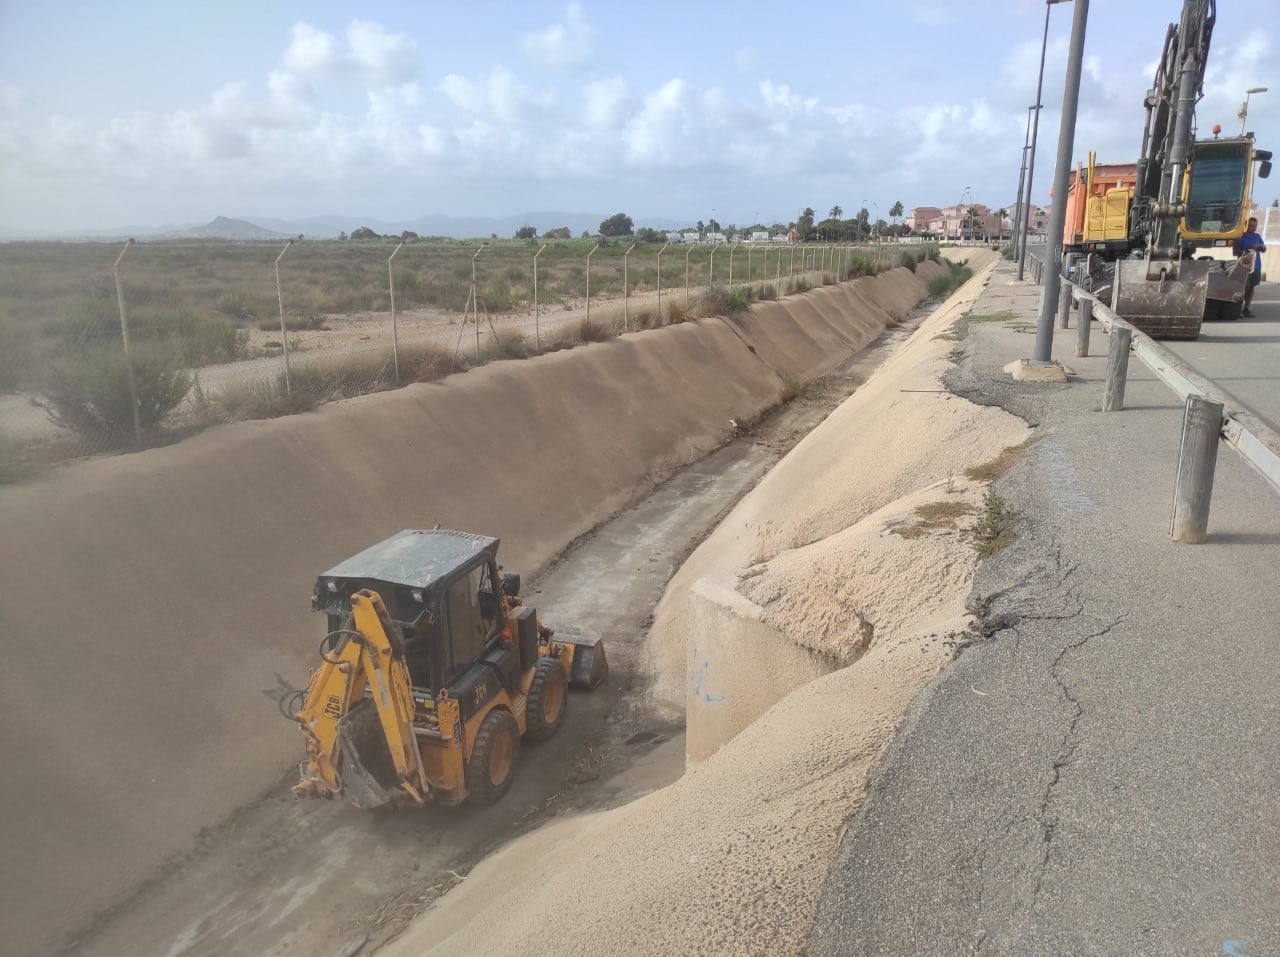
(364,658)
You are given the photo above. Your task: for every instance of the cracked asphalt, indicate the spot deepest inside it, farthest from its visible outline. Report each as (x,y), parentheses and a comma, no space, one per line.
(1098,772)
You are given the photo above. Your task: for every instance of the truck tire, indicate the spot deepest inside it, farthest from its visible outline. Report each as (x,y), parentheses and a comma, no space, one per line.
(548,695)
(492,764)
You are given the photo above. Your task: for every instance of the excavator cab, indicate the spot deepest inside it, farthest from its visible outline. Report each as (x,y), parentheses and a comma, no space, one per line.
(432,671)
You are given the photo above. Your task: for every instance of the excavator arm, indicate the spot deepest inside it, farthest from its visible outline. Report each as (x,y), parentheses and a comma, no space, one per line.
(363,658)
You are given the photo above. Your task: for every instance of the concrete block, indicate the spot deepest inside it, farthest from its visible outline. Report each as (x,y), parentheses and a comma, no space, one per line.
(738,666)
(1024,370)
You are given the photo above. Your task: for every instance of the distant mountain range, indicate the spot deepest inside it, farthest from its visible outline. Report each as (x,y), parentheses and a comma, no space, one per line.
(332,226)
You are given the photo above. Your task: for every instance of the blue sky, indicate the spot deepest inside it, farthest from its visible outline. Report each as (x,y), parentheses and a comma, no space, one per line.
(145,113)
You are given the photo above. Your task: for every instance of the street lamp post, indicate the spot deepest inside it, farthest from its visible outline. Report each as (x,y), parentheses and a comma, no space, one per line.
(1043,350)
(1035,129)
(1244,107)
(1022,180)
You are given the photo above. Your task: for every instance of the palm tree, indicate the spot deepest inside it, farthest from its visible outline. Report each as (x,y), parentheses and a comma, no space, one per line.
(836,212)
(895,211)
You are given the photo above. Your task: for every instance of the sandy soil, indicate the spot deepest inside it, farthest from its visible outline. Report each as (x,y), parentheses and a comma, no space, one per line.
(171,586)
(730,859)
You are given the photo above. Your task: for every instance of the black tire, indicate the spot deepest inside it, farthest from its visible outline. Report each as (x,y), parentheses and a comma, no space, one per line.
(1213,310)
(548,697)
(1231,311)
(492,764)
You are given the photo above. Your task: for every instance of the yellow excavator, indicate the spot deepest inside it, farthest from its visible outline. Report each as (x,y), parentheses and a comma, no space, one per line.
(1142,228)
(432,671)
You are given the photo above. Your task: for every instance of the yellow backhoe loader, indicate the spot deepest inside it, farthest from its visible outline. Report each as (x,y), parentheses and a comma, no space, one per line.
(431,673)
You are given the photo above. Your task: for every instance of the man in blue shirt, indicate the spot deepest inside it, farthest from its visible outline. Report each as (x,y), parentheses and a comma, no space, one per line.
(1251,240)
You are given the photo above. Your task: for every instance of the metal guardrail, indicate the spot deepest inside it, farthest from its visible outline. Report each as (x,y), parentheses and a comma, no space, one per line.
(1256,443)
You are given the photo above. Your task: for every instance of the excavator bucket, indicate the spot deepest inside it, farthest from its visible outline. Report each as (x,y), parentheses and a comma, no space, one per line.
(368,773)
(1162,307)
(590,667)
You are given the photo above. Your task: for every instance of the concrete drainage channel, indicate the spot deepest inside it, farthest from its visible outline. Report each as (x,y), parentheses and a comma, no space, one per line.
(289,876)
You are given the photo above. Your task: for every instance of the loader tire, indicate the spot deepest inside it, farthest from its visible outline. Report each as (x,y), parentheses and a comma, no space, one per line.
(493,757)
(548,695)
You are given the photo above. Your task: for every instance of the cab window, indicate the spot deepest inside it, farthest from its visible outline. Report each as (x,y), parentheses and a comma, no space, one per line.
(467,627)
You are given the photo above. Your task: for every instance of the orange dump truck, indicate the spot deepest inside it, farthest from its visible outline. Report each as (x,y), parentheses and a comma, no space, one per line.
(1098,201)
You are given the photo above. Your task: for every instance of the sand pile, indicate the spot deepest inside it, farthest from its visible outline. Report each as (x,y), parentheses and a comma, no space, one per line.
(862,522)
(728,861)
(891,576)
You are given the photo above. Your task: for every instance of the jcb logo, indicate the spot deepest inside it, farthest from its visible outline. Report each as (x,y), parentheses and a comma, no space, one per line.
(480,693)
(333,707)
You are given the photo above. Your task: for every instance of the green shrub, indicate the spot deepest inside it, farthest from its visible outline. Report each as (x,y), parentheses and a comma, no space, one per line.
(88,392)
(939,287)
(496,297)
(767,293)
(907,261)
(720,301)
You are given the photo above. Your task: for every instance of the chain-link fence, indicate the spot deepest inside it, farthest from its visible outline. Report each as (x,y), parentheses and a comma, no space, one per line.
(107,348)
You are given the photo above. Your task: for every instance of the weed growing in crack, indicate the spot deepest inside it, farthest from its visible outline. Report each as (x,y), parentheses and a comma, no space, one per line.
(993,529)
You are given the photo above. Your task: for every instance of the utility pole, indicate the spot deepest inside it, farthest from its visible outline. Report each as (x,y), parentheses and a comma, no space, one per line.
(1043,352)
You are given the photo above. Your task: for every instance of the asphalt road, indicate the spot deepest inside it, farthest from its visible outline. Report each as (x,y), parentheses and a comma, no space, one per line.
(1099,771)
(1243,357)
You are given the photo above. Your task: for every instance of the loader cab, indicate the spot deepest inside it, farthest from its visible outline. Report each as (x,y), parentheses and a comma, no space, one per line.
(442,591)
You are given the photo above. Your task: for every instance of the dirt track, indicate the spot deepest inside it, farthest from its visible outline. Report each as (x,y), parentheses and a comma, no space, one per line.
(162,583)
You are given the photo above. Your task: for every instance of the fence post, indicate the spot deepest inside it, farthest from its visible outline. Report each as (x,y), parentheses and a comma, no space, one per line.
(1083,322)
(128,356)
(475,299)
(711,270)
(1197,459)
(750,274)
(626,291)
(395,335)
(589,255)
(284,333)
(1064,305)
(732,249)
(660,252)
(688,252)
(537,327)
(1117,367)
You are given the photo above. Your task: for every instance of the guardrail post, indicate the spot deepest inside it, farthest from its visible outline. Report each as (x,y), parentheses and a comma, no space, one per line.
(1197,458)
(1083,321)
(1117,368)
(1064,305)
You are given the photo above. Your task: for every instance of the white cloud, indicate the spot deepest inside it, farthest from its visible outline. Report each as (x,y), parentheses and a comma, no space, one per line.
(606,103)
(563,46)
(371,56)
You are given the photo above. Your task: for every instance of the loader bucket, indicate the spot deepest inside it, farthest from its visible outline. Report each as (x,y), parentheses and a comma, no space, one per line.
(368,774)
(590,667)
(1163,308)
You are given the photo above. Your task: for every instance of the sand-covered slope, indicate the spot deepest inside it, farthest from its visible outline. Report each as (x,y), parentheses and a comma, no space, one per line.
(156,605)
(730,859)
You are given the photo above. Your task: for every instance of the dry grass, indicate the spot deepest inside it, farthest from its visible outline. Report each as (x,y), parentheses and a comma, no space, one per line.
(933,517)
(1008,457)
